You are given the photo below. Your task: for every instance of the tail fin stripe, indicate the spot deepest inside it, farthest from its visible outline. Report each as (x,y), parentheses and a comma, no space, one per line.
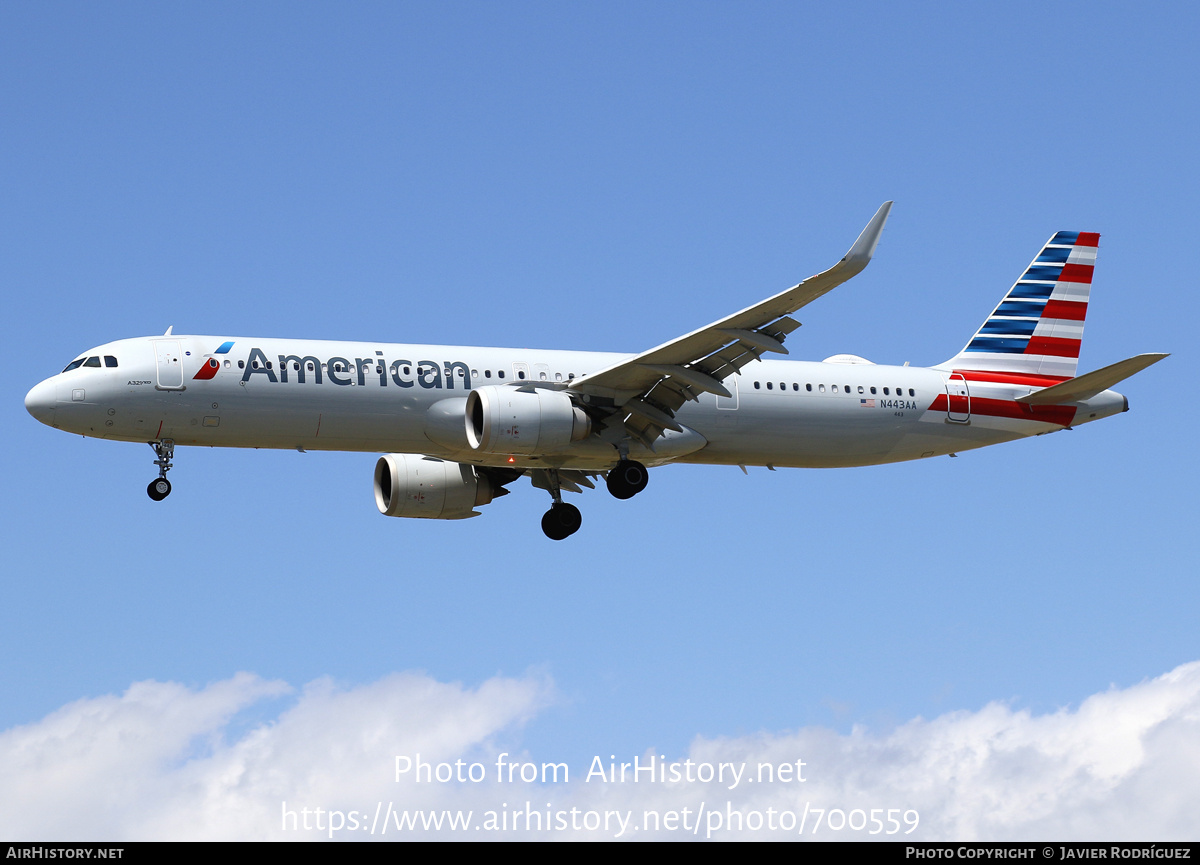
(1037,327)
(1054,255)
(1071,310)
(1024,308)
(1053,346)
(1077,273)
(989,344)
(1009,326)
(1076,291)
(1048,272)
(1028,290)
(1059,328)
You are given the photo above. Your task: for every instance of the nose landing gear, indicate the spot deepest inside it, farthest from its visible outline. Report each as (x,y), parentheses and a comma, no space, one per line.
(160,487)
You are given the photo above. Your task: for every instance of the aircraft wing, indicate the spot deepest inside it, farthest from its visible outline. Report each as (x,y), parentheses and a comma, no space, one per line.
(648,388)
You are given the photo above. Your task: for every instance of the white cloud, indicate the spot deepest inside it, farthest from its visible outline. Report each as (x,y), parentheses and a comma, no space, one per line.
(161,762)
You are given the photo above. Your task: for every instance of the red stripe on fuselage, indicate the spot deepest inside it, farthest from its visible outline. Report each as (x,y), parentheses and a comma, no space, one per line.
(1056,414)
(1011,377)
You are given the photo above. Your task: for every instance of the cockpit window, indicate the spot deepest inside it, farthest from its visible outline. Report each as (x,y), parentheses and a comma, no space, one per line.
(92,361)
(75,364)
(110,361)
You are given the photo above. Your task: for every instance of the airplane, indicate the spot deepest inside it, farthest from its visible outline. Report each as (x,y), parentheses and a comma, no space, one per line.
(458,424)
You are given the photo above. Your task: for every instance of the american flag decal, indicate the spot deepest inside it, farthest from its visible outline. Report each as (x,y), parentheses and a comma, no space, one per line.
(867,403)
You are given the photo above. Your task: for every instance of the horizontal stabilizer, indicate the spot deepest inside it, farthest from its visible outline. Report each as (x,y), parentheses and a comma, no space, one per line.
(1088,385)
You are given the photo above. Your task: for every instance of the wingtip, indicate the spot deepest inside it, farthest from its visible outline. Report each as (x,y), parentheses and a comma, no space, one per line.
(864,248)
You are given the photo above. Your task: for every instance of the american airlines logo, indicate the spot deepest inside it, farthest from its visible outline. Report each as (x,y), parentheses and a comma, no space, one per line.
(402,372)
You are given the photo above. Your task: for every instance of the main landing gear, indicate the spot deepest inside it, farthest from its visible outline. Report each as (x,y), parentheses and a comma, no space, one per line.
(160,487)
(562,520)
(627,479)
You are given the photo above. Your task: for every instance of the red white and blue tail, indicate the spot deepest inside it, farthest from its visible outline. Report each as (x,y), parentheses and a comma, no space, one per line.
(1038,325)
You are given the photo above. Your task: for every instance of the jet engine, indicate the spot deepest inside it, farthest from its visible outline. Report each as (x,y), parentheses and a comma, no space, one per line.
(410,485)
(509,420)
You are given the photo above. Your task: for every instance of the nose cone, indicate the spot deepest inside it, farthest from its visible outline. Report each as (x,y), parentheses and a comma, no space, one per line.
(40,401)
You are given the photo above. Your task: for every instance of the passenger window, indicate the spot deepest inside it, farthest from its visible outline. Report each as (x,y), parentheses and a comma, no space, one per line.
(558,376)
(295,366)
(848,389)
(808,387)
(75,364)
(770,385)
(487,373)
(833,387)
(782,386)
(885,391)
(756,385)
(872,390)
(822,388)
(241,364)
(521,373)
(860,388)
(500,373)
(542,376)
(796,386)
(474,373)
(110,361)
(92,361)
(310,366)
(911,392)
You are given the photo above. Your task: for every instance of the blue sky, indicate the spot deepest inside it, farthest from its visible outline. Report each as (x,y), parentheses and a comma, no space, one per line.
(600,178)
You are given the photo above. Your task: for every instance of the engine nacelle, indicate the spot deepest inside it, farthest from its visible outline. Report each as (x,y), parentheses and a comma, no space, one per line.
(508,420)
(410,485)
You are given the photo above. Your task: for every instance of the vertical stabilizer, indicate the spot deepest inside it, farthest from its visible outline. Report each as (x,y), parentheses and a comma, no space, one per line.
(1038,325)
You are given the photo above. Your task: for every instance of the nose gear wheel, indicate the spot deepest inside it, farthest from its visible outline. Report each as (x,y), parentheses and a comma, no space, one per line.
(160,487)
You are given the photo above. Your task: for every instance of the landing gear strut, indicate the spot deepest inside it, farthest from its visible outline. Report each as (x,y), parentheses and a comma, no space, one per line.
(160,487)
(562,520)
(627,478)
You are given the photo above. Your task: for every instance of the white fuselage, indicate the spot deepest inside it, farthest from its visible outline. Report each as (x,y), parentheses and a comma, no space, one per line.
(396,398)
